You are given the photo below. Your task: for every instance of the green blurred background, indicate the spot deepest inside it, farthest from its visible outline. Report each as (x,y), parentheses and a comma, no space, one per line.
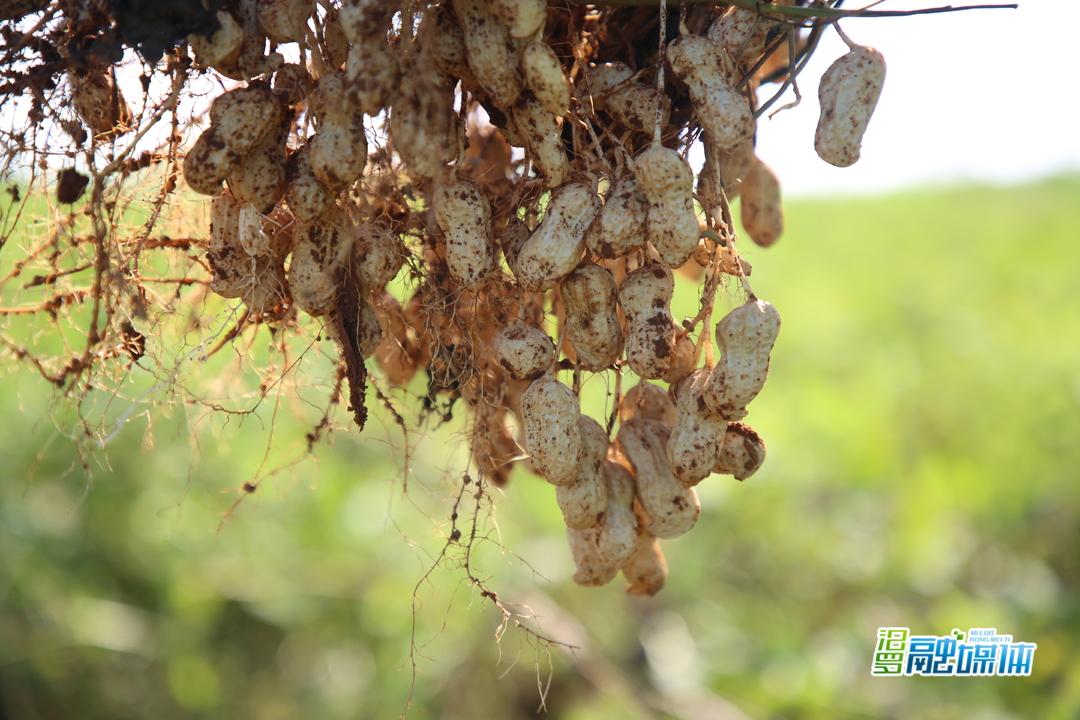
(923,425)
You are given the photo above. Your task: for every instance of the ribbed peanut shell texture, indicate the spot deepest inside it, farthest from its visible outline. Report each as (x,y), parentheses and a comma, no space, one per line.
(848,93)
(552,436)
(745,337)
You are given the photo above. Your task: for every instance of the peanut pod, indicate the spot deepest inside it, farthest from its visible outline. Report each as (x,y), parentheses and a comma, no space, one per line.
(627,101)
(648,401)
(616,535)
(221,47)
(848,93)
(646,569)
(464,216)
(591,569)
(712,77)
(672,509)
(584,501)
(307,197)
(651,336)
(667,182)
(698,433)
(762,211)
(592,323)
(521,17)
(378,254)
(544,77)
(745,336)
(553,250)
(524,351)
(550,415)
(542,135)
(98,101)
(322,248)
(620,227)
(490,51)
(741,453)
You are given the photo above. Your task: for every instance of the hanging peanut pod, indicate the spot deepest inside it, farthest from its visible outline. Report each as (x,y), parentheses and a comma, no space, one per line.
(745,336)
(208,163)
(322,248)
(335,43)
(364,21)
(259,178)
(544,77)
(235,272)
(464,216)
(610,88)
(616,535)
(683,358)
(711,76)
(293,83)
(620,228)
(338,151)
(848,93)
(239,121)
(269,290)
(229,265)
(372,76)
(672,509)
(490,51)
(698,433)
(743,32)
(399,354)
(268,234)
(524,351)
(645,297)
(733,166)
(583,501)
(542,135)
(221,47)
(550,415)
(667,182)
(253,239)
(554,249)
(242,117)
(252,59)
(284,21)
(521,17)
(421,129)
(648,401)
(762,210)
(646,569)
(741,453)
(592,321)
(306,195)
(591,569)
(494,447)
(444,43)
(364,328)
(378,254)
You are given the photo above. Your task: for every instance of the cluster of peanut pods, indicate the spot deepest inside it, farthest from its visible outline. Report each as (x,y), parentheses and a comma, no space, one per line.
(585,231)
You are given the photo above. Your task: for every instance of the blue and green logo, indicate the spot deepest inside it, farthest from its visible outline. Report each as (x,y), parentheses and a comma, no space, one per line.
(978,652)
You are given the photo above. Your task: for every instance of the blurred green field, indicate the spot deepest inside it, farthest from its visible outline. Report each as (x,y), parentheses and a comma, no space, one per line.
(923,427)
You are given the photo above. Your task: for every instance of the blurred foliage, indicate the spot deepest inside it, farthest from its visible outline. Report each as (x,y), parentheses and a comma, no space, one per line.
(922,416)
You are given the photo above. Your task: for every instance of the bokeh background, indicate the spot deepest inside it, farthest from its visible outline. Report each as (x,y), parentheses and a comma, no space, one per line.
(923,425)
